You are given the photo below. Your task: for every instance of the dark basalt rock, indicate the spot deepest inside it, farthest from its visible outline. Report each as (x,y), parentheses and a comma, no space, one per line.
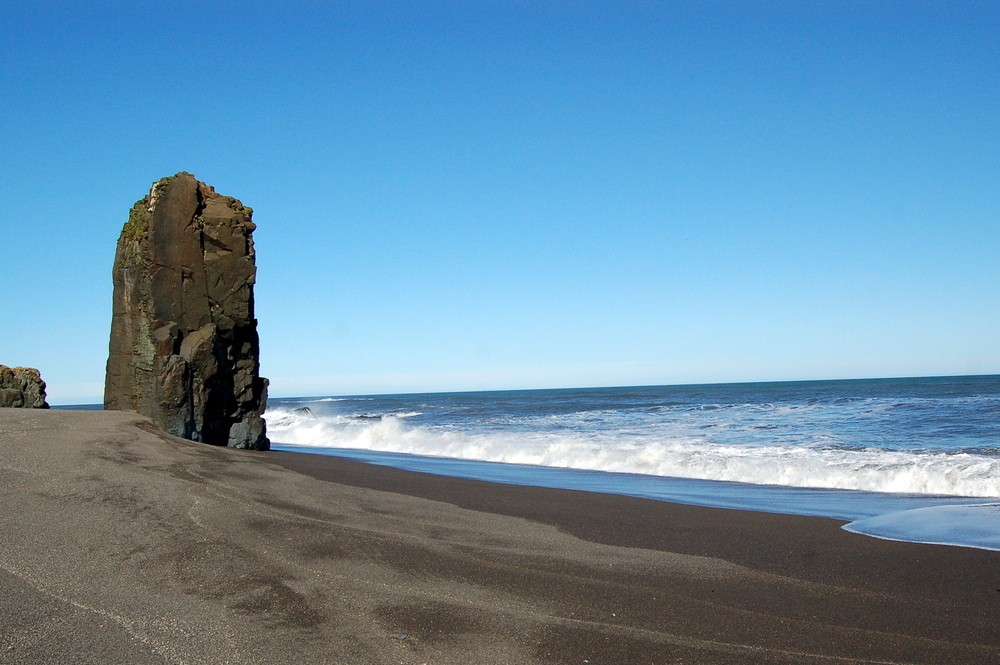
(184,348)
(22,387)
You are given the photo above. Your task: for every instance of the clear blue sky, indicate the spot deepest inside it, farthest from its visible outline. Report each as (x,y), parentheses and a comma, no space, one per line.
(479,195)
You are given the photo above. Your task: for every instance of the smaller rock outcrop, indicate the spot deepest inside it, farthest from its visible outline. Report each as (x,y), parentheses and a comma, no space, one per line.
(22,387)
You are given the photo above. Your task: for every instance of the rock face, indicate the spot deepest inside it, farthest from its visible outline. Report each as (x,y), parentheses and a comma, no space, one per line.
(184,348)
(22,387)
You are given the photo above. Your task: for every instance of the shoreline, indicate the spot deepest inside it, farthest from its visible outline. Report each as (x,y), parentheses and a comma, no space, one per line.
(876,514)
(123,544)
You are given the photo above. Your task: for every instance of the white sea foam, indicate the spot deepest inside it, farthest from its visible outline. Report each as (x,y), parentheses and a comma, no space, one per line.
(658,454)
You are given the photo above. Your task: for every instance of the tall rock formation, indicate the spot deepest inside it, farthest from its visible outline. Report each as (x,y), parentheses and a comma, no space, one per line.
(184,348)
(22,387)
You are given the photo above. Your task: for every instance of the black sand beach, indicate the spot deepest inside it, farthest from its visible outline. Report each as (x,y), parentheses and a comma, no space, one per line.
(122,544)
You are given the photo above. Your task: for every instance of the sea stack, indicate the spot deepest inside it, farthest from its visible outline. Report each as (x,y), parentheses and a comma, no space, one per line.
(22,387)
(184,348)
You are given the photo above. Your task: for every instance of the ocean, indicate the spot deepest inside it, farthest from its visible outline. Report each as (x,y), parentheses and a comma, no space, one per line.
(914,459)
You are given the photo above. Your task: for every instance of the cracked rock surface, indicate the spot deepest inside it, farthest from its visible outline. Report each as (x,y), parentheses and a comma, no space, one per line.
(184,349)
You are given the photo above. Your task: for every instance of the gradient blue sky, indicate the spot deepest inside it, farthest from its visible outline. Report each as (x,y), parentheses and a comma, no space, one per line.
(488,195)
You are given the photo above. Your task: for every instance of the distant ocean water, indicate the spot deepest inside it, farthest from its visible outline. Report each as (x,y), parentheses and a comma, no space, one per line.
(908,459)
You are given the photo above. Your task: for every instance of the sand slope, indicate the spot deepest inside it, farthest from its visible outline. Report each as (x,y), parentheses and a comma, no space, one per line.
(122,544)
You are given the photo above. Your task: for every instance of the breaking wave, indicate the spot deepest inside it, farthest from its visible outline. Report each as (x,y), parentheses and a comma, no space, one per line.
(657,453)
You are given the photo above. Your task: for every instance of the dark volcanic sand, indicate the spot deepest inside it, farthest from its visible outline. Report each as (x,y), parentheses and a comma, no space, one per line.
(122,544)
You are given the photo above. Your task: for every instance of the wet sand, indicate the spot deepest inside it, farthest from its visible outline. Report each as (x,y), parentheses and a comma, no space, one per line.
(122,544)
